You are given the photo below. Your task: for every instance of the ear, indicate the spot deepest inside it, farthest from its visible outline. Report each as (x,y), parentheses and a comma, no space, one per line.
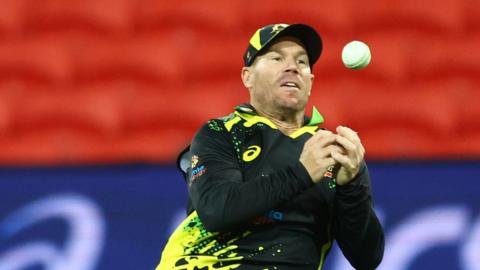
(312,77)
(247,77)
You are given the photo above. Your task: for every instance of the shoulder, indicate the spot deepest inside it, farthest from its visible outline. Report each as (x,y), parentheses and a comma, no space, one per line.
(215,127)
(212,134)
(215,131)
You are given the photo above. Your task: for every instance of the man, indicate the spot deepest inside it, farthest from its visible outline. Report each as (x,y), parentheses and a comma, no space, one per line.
(268,188)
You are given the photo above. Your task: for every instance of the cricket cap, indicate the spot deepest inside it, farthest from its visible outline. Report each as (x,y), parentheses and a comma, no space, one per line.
(266,35)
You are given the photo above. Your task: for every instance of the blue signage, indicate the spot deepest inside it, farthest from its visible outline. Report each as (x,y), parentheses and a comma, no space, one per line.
(120,216)
(85,218)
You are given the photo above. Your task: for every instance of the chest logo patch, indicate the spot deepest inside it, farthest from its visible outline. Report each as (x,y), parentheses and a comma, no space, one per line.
(251,153)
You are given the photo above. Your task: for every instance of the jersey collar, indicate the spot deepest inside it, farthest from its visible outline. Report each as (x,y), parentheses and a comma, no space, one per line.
(315,120)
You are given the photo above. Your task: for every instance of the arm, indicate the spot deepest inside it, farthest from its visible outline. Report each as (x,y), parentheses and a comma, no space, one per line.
(221,195)
(356,227)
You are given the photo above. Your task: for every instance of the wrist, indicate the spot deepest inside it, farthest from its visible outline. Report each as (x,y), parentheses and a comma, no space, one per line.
(310,169)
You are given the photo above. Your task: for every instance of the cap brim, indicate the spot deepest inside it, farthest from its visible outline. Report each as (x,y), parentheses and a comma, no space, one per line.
(307,35)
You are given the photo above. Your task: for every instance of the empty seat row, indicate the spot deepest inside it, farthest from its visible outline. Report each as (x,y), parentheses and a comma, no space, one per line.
(116,110)
(443,57)
(124,16)
(57,59)
(363,107)
(32,16)
(61,146)
(432,16)
(112,109)
(175,57)
(64,146)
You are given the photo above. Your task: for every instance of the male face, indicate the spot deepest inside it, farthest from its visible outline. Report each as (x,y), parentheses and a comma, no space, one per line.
(280,79)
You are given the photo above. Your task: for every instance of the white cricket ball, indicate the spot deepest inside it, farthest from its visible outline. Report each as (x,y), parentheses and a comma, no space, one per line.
(356,55)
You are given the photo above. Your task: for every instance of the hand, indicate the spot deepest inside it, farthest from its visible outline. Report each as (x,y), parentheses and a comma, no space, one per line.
(352,157)
(316,154)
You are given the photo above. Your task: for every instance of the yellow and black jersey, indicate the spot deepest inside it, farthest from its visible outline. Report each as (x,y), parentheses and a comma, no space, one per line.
(253,205)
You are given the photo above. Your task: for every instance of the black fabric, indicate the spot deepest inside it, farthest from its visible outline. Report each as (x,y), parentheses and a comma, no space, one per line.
(274,198)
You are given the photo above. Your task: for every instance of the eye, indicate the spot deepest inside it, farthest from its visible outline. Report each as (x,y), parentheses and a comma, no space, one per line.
(276,58)
(302,62)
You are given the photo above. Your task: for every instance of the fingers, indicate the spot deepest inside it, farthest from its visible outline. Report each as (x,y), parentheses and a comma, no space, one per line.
(345,143)
(344,160)
(349,140)
(321,139)
(326,149)
(335,148)
(348,133)
(316,154)
(323,135)
(330,161)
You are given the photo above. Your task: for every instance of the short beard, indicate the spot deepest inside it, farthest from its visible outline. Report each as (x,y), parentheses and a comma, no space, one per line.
(289,111)
(300,106)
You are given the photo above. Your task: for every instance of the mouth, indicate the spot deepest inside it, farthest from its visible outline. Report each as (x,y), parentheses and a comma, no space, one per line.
(290,85)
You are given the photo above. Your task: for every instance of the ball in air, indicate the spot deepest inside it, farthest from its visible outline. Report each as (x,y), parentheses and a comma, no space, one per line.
(356,55)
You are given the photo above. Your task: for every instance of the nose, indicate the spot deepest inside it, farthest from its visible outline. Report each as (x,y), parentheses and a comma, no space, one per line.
(291,66)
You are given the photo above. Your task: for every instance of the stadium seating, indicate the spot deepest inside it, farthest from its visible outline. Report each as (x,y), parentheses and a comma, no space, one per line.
(149,59)
(429,16)
(215,16)
(103,17)
(11,17)
(39,59)
(328,16)
(123,80)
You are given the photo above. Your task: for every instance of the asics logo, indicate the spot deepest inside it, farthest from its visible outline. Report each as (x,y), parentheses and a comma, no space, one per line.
(251,153)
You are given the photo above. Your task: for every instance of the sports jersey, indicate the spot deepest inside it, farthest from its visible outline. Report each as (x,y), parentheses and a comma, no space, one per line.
(253,204)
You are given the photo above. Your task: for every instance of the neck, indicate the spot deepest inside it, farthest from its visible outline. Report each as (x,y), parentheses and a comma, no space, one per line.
(287,121)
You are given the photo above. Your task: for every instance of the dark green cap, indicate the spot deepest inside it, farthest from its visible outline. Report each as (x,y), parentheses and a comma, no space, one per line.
(264,36)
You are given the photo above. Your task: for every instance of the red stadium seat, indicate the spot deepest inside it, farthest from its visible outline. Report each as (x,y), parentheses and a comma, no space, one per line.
(96,112)
(5,111)
(62,145)
(328,17)
(37,147)
(155,145)
(56,145)
(42,59)
(123,80)
(326,97)
(397,143)
(446,57)
(105,16)
(472,16)
(330,64)
(418,121)
(11,17)
(212,16)
(427,16)
(208,60)
(466,95)
(189,106)
(391,106)
(147,59)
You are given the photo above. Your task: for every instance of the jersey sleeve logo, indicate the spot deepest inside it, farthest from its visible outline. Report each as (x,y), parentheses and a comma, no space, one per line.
(194,161)
(251,153)
(197,171)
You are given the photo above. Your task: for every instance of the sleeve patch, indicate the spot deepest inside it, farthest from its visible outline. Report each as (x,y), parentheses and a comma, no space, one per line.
(197,172)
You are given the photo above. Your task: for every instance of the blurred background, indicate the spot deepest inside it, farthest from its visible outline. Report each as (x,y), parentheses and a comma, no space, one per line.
(97,97)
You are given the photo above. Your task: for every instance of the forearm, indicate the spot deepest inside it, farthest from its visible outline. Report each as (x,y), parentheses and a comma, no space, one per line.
(357,228)
(225,204)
